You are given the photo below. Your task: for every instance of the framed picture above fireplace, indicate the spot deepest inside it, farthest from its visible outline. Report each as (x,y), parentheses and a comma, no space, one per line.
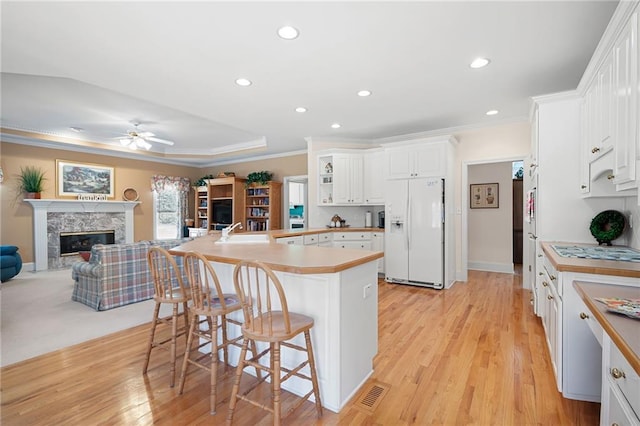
(73,179)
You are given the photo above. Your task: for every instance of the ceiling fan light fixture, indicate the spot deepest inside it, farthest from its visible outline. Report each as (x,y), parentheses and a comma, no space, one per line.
(144,144)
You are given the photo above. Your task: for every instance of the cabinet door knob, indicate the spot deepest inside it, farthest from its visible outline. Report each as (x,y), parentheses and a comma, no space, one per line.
(617,374)
(553,277)
(539,255)
(610,177)
(540,273)
(583,186)
(545,284)
(595,149)
(583,315)
(550,297)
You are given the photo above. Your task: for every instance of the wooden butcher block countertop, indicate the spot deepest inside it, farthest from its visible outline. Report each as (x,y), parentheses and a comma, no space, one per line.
(589,266)
(624,331)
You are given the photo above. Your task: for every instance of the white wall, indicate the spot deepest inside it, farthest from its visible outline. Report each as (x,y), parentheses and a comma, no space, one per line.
(487,145)
(490,231)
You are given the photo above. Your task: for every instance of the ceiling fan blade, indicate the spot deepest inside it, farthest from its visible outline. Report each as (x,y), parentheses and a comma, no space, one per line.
(145,134)
(162,141)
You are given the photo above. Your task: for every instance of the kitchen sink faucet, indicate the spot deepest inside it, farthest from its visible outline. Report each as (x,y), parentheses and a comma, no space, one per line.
(228,230)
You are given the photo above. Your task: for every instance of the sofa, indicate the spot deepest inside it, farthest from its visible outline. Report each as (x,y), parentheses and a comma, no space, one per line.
(117,274)
(10,262)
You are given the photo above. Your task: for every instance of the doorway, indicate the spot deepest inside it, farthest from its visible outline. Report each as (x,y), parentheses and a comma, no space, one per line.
(295,203)
(488,239)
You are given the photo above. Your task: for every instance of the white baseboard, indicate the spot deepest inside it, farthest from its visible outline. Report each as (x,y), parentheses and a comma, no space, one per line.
(506,268)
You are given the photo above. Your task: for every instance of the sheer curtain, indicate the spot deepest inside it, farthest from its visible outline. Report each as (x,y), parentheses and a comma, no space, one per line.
(161,183)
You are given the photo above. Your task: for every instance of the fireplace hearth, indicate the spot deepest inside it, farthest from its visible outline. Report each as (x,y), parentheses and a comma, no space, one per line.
(71,243)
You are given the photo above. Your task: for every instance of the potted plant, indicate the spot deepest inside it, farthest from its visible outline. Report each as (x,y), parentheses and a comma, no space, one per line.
(204,180)
(31,181)
(260,178)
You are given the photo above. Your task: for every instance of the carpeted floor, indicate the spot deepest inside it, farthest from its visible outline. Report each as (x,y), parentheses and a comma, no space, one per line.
(38,316)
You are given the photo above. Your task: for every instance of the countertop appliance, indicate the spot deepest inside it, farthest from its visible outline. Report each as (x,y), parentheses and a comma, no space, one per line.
(414,232)
(381,219)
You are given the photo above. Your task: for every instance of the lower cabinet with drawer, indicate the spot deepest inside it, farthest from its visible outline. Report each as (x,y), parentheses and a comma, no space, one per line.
(353,240)
(620,388)
(577,356)
(296,240)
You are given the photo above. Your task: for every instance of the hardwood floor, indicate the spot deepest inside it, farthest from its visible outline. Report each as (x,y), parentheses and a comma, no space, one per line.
(474,354)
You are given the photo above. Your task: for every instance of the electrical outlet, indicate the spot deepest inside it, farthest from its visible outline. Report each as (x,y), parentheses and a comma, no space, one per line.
(366,291)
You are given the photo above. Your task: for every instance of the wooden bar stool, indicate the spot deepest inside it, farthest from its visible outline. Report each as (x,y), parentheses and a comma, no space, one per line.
(169,288)
(260,294)
(209,303)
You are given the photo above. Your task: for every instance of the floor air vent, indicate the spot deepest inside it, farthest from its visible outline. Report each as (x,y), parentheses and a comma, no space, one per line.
(371,396)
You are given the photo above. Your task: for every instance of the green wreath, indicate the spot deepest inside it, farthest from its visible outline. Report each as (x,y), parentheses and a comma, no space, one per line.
(607,226)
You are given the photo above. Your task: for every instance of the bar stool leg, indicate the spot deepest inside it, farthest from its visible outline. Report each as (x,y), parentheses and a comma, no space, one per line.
(152,333)
(236,385)
(275,354)
(185,361)
(314,376)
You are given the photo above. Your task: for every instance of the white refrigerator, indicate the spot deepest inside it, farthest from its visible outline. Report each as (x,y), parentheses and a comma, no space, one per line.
(414,232)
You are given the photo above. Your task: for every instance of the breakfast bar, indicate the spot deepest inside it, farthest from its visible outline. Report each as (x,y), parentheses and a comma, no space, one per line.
(337,288)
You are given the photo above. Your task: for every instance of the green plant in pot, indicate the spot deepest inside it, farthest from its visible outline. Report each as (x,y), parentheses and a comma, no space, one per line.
(31,181)
(260,178)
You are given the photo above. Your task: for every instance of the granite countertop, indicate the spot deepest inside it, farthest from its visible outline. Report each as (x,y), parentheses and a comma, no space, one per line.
(295,259)
(624,331)
(589,266)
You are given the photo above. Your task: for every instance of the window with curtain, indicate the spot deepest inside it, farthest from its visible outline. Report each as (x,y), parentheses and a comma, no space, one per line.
(170,205)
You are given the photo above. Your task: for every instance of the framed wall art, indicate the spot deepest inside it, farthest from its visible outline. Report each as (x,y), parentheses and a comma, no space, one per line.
(74,179)
(484,196)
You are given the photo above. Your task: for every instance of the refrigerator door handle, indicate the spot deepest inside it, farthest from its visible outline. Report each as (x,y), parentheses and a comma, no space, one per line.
(408,224)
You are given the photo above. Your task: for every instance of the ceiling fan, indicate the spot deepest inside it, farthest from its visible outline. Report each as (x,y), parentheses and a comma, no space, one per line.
(136,139)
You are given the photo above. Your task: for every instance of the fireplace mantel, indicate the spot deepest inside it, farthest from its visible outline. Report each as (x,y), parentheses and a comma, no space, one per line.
(43,206)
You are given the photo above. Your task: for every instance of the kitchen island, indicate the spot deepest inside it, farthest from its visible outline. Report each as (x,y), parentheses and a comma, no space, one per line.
(337,288)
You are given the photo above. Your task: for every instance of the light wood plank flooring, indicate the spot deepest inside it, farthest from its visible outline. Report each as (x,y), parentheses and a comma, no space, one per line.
(474,354)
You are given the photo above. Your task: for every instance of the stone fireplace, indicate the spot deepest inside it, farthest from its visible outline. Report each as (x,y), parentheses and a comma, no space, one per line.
(53,217)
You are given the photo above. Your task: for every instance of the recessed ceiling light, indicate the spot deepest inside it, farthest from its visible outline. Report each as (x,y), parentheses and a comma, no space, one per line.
(243,82)
(335,126)
(288,33)
(479,63)
(492,112)
(364,93)
(301,109)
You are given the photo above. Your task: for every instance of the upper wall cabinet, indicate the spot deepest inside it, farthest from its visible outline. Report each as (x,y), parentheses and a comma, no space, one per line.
(341,178)
(414,161)
(610,134)
(374,178)
(625,97)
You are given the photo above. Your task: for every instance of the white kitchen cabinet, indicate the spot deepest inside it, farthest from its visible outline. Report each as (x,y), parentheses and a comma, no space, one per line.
(352,240)
(551,316)
(578,353)
(415,161)
(348,186)
(325,239)
(310,239)
(341,178)
(373,177)
(377,244)
(297,240)
(625,56)
(620,388)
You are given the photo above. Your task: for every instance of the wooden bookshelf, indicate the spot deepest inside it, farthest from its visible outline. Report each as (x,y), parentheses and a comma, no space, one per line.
(263,206)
